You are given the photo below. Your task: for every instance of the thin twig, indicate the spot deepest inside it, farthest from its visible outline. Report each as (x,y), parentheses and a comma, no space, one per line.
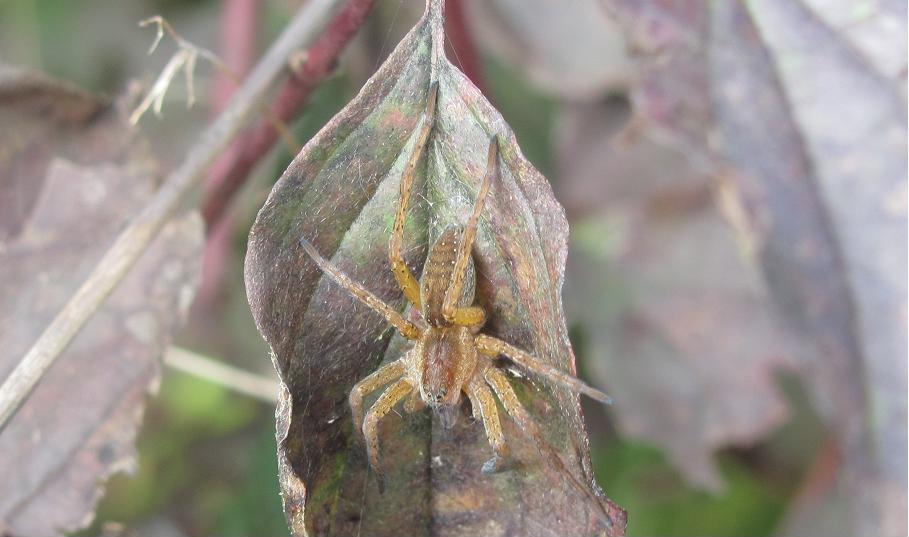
(134,240)
(239,24)
(320,60)
(185,58)
(217,372)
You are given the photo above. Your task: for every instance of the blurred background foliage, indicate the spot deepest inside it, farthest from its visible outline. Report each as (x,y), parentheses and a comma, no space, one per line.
(207,455)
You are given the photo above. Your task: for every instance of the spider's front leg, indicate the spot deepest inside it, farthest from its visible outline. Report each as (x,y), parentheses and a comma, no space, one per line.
(499,383)
(373,382)
(484,405)
(379,410)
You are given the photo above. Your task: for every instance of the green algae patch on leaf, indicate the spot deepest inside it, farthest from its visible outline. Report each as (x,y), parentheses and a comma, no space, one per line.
(340,193)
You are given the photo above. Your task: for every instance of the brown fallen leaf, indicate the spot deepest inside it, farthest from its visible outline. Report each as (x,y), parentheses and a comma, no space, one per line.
(678,325)
(25,154)
(805,104)
(340,193)
(75,174)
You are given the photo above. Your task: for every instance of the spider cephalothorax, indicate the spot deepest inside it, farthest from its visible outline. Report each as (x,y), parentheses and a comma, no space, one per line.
(449,356)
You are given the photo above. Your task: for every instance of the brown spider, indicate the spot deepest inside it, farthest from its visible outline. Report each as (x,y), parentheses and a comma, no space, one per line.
(449,355)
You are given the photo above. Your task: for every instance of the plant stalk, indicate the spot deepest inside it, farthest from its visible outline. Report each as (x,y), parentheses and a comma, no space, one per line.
(179,184)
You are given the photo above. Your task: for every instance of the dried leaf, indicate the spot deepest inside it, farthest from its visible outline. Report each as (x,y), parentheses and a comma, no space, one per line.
(340,193)
(78,175)
(678,325)
(573,50)
(26,143)
(806,103)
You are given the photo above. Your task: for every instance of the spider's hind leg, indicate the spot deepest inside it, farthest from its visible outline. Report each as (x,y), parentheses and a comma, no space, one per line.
(470,316)
(405,278)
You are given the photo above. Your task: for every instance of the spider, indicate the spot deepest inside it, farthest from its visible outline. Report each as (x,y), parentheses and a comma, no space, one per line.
(449,355)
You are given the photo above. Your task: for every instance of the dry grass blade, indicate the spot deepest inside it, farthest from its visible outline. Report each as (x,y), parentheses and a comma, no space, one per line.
(148,222)
(185,59)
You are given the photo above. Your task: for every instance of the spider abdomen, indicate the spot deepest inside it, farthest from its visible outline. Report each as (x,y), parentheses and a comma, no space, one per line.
(436,277)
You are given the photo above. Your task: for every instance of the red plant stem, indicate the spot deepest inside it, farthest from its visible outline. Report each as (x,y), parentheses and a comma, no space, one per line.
(320,60)
(462,44)
(821,476)
(239,22)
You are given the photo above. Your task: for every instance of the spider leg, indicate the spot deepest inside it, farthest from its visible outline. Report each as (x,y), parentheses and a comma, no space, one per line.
(407,328)
(493,347)
(471,316)
(499,383)
(468,316)
(382,406)
(405,278)
(484,404)
(373,382)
